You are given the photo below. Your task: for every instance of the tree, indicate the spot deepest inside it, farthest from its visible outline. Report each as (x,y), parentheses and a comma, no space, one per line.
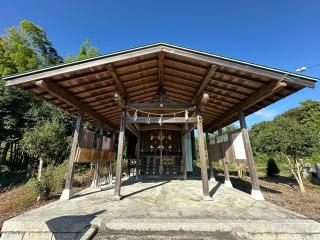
(45,142)
(290,137)
(22,48)
(87,50)
(272,168)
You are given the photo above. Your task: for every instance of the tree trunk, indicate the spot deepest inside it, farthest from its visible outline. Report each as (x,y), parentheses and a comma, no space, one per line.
(5,152)
(300,181)
(40,168)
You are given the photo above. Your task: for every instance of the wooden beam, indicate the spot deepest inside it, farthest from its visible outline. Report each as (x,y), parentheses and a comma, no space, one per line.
(264,92)
(255,193)
(164,127)
(203,160)
(117,80)
(203,101)
(155,120)
(121,103)
(67,192)
(210,72)
(117,186)
(247,67)
(119,100)
(157,106)
(210,158)
(188,128)
(132,129)
(60,93)
(161,67)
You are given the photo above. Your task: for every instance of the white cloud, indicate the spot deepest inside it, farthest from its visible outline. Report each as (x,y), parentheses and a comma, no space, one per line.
(265,114)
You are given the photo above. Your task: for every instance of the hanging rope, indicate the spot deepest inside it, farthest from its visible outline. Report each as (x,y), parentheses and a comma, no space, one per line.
(159,114)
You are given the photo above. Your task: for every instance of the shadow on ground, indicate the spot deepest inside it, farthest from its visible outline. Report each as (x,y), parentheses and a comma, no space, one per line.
(71,226)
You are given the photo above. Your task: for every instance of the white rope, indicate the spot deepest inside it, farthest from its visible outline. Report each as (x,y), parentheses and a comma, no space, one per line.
(159,114)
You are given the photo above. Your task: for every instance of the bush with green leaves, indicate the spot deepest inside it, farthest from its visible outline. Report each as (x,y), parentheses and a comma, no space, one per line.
(51,183)
(272,168)
(38,188)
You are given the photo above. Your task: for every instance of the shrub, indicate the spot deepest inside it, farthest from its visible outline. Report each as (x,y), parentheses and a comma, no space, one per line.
(38,188)
(51,183)
(272,168)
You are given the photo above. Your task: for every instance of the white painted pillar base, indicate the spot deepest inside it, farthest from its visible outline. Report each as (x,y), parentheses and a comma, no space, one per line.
(95,185)
(257,195)
(207,198)
(213,180)
(66,194)
(228,183)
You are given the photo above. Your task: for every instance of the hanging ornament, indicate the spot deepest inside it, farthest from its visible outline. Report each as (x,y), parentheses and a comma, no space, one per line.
(148,119)
(186,116)
(135,116)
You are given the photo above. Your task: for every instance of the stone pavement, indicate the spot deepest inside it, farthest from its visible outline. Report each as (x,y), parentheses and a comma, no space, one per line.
(172,209)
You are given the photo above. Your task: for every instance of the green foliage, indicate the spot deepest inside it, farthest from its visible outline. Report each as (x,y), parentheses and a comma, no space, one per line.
(45,141)
(87,50)
(294,135)
(37,188)
(14,107)
(272,168)
(291,133)
(24,48)
(51,183)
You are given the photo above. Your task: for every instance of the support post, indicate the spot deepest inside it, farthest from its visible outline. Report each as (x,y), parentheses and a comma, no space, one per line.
(96,176)
(67,191)
(255,192)
(138,156)
(212,178)
(110,164)
(202,154)
(184,159)
(227,181)
(120,157)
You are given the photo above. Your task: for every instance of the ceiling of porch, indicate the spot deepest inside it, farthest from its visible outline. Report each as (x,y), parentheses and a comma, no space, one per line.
(89,85)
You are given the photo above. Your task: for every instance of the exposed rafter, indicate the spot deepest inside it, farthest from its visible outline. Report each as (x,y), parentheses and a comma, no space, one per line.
(156,106)
(118,81)
(161,67)
(60,93)
(210,72)
(261,94)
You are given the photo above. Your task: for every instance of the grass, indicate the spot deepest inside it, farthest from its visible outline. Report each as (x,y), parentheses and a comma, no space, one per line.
(283,191)
(18,199)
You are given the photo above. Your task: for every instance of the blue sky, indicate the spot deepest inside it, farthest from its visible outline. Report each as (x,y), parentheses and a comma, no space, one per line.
(283,34)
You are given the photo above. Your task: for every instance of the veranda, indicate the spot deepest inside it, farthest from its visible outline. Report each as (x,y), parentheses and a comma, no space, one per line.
(155,96)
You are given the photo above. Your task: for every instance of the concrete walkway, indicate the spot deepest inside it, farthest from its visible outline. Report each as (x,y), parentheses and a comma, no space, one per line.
(161,210)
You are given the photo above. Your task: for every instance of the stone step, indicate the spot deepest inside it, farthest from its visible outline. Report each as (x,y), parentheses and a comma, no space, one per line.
(289,226)
(107,234)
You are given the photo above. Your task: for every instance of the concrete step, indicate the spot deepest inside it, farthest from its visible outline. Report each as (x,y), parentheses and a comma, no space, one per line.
(293,229)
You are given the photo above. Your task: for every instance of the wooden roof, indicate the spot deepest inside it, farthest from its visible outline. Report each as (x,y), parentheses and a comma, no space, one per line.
(89,85)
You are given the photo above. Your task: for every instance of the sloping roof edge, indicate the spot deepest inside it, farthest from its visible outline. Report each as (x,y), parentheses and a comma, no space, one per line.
(285,73)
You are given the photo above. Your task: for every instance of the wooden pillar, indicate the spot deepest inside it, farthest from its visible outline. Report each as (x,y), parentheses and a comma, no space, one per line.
(184,158)
(212,179)
(203,162)
(138,156)
(96,176)
(255,192)
(117,188)
(110,177)
(67,191)
(227,181)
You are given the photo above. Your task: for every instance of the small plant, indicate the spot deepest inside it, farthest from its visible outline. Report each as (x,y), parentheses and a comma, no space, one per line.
(272,168)
(38,188)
